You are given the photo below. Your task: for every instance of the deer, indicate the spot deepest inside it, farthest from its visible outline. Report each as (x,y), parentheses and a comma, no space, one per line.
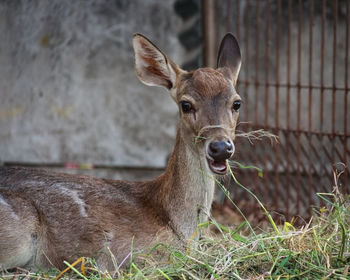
(47,218)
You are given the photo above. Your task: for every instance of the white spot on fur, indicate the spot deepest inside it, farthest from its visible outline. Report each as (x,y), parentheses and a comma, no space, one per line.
(74,195)
(4,202)
(173,93)
(109,237)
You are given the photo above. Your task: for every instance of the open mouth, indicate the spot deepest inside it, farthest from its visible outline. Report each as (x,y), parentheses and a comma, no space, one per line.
(218,167)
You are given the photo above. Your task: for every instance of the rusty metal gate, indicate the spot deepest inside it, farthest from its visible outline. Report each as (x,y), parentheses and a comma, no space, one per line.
(294,82)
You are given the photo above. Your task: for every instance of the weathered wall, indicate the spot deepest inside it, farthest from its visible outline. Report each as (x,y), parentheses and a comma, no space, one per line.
(68,88)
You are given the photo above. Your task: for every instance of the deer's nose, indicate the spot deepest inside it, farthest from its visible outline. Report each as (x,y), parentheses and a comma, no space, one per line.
(220,150)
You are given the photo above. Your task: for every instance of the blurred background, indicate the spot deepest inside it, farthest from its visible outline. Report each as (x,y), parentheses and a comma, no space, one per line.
(70,99)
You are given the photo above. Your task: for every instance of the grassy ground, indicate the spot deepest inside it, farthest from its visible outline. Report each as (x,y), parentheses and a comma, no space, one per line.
(318,250)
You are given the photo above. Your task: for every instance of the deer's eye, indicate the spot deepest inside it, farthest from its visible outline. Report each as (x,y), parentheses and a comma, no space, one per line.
(186,107)
(236,105)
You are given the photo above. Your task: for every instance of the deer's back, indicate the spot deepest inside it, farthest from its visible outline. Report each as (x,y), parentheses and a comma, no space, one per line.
(67,216)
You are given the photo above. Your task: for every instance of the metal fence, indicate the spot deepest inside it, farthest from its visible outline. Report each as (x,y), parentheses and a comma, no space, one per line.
(294,83)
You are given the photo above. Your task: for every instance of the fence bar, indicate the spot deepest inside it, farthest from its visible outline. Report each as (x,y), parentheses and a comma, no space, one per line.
(302,86)
(278,153)
(257,48)
(238,34)
(305,131)
(311,23)
(335,22)
(347,23)
(217,20)
(238,19)
(288,144)
(267,66)
(228,18)
(208,32)
(298,104)
(322,62)
(277,77)
(246,23)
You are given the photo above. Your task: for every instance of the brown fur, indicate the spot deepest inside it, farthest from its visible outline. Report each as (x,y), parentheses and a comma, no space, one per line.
(46,218)
(61,231)
(209,82)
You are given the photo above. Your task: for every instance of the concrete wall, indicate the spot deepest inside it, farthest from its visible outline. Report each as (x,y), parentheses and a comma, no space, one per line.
(68,89)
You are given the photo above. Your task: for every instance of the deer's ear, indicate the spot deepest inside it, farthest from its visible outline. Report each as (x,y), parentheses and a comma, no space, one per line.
(153,68)
(229,57)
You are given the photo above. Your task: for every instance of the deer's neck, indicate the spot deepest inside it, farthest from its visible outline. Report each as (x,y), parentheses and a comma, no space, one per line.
(186,189)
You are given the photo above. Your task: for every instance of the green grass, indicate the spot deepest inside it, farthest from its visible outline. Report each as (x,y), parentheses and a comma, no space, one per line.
(318,250)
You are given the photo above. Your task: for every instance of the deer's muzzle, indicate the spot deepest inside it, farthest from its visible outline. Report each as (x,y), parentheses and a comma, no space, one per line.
(217,154)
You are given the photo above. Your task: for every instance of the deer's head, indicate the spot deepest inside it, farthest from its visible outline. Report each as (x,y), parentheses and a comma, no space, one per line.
(207,100)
